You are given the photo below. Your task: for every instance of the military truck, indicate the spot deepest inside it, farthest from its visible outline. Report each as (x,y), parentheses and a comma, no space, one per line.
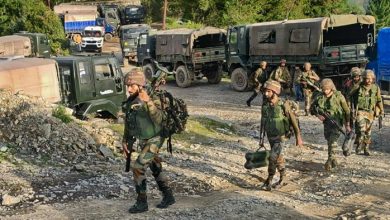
(192,54)
(133,14)
(25,44)
(129,35)
(333,45)
(87,84)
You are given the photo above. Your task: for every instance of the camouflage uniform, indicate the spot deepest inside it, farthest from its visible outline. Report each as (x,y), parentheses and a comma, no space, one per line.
(339,112)
(282,75)
(143,122)
(368,104)
(277,119)
(307,90)
(259,77)
(350,84)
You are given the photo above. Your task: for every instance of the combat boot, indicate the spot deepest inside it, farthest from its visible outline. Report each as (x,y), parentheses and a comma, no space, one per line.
(334,163)
(328,165)
(279,183)
(167,200)
(307,112)
(141,205)
(267,184)
(358,148)
(366,150)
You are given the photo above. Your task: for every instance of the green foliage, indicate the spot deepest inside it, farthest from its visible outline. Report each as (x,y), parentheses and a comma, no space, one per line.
(380,10)
(31,16)
(175,23)
(60,113)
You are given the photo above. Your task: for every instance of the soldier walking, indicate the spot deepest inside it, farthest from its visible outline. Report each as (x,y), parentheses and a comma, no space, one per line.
(259,78)
(282,75)
(307,77)
(368,104)
(144,122)
(332,103)
(277,120)
(353,82)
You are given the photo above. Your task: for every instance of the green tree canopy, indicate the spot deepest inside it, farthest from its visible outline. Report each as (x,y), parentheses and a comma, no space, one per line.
(380,10)
(31,16)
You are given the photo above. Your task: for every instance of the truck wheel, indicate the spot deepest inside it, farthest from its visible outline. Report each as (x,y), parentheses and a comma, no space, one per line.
(148,71)
(239,79)
(108,37)
(215,76)
(183,78)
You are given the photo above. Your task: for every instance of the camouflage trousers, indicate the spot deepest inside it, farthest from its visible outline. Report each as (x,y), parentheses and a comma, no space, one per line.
(331,136)
(148,157)
(308,96)
(276,159)
(363,126)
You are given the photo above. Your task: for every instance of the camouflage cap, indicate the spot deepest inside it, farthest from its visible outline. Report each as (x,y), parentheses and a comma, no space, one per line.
(273,85)
(369,74)
(135,76)
(327,84)
(355,71)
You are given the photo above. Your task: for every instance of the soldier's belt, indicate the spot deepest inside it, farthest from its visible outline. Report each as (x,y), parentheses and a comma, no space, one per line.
(366,114)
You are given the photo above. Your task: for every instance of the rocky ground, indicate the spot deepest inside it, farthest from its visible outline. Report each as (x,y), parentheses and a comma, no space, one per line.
(53,170)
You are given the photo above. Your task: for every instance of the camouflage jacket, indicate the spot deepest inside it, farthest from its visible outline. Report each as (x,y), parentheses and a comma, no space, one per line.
(367,99)
(143,120)
(282,75)
(335,105)
(259,77)
(306,76)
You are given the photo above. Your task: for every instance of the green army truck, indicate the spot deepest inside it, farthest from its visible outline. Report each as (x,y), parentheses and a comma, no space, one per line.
(191,54)
(25,44)
(333,45)
(129,35)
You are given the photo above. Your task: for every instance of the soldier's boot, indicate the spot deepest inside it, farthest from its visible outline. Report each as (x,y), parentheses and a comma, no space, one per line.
(366,149)
(334,163)
(358,148)
(307,112)
(141,205)
(282,176)
(248,102)
(168,198)
(267,184)
(328,165)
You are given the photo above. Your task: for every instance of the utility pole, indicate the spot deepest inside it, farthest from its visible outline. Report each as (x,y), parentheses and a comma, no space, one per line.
(48,3)
(165,14)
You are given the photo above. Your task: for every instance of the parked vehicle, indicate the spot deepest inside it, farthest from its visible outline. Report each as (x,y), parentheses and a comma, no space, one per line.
(87,84)
(192,54)
(25,44)
(381,60)
(92,39)
(333,45)
(110,20)
(133,14)
(129,35)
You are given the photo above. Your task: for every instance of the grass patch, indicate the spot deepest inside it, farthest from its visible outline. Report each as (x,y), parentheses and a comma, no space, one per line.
(60,113)
(119,128)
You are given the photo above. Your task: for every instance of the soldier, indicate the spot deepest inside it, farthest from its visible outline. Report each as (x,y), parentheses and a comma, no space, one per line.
(259,78)
(277,120)
(353,82)
(282,75)
(333,103)
(308,76)
(368,104)
(297,85)
(143,122)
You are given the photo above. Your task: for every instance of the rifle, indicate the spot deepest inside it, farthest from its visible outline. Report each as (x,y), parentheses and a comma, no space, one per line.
(157,81)
(130,144)
(262,134)
(310,83)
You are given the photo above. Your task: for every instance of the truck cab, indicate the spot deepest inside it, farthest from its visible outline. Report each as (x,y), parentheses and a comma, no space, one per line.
(133,14)
(90,84)
(129,35)
(92,39)
(110,21)
(39,43)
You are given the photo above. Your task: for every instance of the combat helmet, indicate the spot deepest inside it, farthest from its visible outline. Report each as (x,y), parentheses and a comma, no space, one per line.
(327,84)
(273,86)
(356,71)
(369,74)
(135,76)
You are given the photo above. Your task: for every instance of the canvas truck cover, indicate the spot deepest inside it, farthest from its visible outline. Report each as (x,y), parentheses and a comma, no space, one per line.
(181,41)
(297,37)
(15,45)
(31,76)
(67,8)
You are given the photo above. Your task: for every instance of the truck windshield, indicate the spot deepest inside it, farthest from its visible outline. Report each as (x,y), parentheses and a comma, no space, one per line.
(92,34)
(133,11)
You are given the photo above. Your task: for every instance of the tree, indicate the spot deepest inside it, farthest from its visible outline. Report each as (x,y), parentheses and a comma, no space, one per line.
(31,16)
(380,10)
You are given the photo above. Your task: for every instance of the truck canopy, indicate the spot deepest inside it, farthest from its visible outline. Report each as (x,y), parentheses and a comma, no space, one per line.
(15,45)
(182,41)
(308,36)
(67,8)
(76,23)
(32,76)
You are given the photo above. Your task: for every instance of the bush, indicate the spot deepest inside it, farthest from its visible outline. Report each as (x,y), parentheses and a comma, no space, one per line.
(176,23)
(60,113)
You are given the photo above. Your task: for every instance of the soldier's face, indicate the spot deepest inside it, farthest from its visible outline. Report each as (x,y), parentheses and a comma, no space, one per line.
(356,78)
(283,64)
(369,81)
(327,92)
(268,93)
(307,67)
(132,89)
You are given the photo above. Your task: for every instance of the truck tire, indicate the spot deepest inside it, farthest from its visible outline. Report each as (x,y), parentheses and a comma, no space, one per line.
(108,37)
(215,76)
(183,78)
(148,71)
(239,79)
